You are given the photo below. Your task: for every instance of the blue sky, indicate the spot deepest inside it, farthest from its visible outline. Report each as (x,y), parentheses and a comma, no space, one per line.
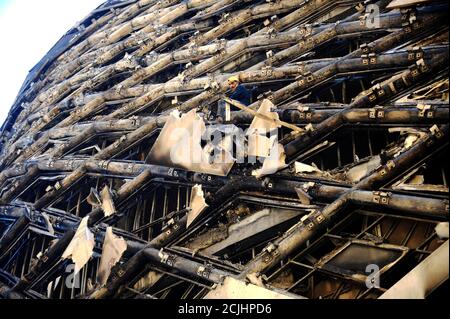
(28,29)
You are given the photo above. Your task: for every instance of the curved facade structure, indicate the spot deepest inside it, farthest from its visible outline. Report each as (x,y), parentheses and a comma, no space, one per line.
(129,170)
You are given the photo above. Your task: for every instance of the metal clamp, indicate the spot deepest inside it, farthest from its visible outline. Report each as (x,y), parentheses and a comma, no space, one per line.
(58,186)
(379,90)
(376,113)
(365,48)
(204,271)
(381,197)
(306,30)
(390,165)
(370,58)
(266,70)
(308,221)
(371,95)
(270,253)
(224,18)
(425,111)
(169,229)
(436,132)
(415,54)
(408,19)
(319,218)
(305,113)
(167,259)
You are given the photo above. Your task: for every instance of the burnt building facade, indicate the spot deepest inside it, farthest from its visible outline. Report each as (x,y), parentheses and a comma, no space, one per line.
(120,178)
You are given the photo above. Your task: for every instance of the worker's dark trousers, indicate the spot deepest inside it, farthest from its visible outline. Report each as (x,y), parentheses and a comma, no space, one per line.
(221,109)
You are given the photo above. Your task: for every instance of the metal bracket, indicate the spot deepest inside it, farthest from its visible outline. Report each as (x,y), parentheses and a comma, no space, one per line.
(225,17)
(169,229)
(370,58)
(167,259)
(376,113)
(381,197)
(172,172)
(390,165)
(204,271)
(415,54)
(306,30)
(266,70)
(58,186)
(425,111)
(436,132)
(408,19)
(371,95)
(305,113)
(308,221)
(365,48)
(270,252)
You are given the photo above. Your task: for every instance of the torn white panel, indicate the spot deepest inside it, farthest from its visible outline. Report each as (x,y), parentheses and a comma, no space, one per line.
(442,230)
(410,140)
(258,145)
(233,135)
(255,280)
(107,202)
(52,286)
(179,145)
(49,289)
(305,168)
(113,249)
(269,122)
(273,163)
(48,223)
(424,278)
(94,198)
(232,288)
(81,247)
(304,197)
(412,137)
(356,173)
(197,204)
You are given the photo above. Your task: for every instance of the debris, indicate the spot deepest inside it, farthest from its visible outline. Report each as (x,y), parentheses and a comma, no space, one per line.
(265,120)
(197,204)
(107,202)
(304,168)
(81,248)
(112,251)
(122,125)
(442,230)
(275,161)
(362,169)
(303,196)
(179,145)
(234,289)
(49,223)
